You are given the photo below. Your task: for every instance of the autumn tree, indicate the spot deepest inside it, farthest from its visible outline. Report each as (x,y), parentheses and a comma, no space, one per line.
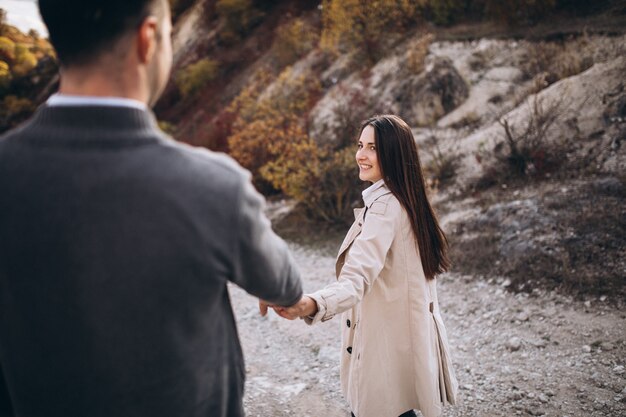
(293,40)
(350,25)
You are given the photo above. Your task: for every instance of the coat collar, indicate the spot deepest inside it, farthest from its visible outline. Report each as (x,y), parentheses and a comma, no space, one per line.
(371,193)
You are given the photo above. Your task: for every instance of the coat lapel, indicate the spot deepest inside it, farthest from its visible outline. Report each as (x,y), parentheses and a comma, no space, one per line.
(354,231)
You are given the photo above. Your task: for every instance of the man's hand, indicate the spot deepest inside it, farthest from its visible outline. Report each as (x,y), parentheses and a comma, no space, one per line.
(263,305)
(303,308)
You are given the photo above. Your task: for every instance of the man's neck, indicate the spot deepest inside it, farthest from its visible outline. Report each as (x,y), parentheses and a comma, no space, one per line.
(95,83)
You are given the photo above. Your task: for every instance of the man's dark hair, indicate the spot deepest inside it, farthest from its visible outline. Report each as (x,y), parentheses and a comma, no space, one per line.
(80,30)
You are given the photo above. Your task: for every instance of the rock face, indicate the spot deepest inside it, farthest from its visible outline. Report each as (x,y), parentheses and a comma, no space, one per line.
(390,87)
(430,95)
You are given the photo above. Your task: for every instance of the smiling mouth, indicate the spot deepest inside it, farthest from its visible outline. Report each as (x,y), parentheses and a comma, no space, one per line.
(363,166)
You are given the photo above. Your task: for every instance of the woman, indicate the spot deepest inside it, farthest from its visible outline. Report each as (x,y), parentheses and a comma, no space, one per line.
(394,346)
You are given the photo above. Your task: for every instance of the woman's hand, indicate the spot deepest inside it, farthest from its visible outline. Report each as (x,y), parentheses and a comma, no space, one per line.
(303,308)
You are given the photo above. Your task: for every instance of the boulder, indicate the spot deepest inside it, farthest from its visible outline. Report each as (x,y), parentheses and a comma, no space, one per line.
(426,97)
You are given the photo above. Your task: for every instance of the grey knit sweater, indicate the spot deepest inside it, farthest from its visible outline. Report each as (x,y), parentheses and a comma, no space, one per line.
(116,244)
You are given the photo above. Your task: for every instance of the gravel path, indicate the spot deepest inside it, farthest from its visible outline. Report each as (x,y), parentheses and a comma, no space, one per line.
(514,354)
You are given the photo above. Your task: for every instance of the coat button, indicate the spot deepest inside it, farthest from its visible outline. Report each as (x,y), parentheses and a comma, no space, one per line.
(349,350)
(348,322)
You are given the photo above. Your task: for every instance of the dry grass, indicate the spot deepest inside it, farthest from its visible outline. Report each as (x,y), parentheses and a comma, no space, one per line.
(416,53)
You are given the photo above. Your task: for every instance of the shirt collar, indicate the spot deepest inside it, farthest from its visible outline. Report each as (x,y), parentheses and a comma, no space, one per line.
(74,100)
(374,191)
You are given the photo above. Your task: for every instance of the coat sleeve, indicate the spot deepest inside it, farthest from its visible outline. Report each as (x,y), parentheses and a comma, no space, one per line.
(6,409)
(363,264)
(262,263)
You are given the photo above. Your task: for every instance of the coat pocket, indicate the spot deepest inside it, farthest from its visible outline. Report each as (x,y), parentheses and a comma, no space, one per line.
(448,384)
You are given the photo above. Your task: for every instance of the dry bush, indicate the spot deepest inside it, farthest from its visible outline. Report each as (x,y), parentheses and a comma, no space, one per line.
(417,52)
(516,12)
(554,61)
(524,151)
(442,166)
(13,111)
(269,137)
(356,25)
(264,122)
(445,12)
(239,17)
(293,40)
(195,76)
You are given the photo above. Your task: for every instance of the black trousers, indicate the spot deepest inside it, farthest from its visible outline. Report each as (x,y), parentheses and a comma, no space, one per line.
(409,413)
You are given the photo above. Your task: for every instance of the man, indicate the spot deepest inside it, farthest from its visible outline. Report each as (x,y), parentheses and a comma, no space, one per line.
(116,243)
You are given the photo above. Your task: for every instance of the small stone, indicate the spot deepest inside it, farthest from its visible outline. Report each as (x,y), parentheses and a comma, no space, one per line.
(468,387)
(523,316)
(515,396)
(607,346)
(619,369)
(541,343)
(514,344)
(588,304)
(603,298)
(530,395)
(543,398)
(586,348)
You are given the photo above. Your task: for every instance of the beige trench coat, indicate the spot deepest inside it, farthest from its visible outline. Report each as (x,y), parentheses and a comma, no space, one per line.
(395,354)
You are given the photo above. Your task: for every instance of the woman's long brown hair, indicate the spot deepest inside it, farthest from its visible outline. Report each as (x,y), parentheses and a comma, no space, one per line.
(402,172)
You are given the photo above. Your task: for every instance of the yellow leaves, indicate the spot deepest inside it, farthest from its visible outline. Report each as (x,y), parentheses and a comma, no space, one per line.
(269,137)
(7,49)
(5,75)
(195,76)
(25,61)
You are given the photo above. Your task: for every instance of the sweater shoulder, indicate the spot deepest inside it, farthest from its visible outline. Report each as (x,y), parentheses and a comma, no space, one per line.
(213,163)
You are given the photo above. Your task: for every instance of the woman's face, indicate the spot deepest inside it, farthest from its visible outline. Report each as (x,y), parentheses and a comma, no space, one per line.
(366,156)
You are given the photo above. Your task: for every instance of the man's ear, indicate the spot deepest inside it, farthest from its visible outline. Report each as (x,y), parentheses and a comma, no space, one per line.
(147,39)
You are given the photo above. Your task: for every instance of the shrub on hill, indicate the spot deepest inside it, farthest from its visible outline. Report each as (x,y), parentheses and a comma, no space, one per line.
(195,76)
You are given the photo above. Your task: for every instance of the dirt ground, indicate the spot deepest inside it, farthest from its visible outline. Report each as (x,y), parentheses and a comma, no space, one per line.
(514,354)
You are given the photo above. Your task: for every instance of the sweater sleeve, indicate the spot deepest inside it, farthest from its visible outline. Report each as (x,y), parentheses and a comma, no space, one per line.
(262,262)
(364,263)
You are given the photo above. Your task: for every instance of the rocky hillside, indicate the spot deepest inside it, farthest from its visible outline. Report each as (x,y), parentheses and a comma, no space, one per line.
(520,127)
(519,114)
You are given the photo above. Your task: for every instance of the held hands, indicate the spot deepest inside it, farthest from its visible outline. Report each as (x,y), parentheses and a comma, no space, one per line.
(305,307)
